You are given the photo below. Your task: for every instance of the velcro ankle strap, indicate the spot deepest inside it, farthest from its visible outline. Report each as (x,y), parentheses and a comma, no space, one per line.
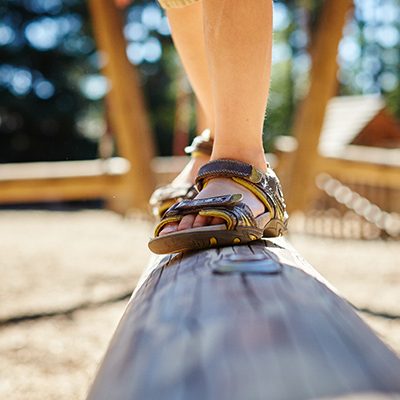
(228,169)
(265,186)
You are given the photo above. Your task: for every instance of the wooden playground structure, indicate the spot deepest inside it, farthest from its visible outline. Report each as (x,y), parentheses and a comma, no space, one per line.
(242,322)
(127,181)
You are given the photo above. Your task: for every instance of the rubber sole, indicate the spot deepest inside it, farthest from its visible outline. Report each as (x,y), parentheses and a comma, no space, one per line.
(275,228)
(201,238)
(206,237)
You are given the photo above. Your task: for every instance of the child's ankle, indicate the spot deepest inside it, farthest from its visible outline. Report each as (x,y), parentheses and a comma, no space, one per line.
(258,162)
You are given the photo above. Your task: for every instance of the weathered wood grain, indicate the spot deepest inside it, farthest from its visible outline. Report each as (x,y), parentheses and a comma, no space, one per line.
(191,333)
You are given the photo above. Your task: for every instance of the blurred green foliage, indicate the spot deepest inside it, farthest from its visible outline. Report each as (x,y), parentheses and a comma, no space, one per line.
(51,91)
(45,49)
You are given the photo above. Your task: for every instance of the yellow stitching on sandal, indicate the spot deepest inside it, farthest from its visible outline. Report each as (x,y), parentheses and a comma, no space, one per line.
(257,192)
(164,222)
(218,214)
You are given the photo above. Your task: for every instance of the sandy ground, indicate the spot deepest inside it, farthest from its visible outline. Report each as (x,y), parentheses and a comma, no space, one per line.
(81,267)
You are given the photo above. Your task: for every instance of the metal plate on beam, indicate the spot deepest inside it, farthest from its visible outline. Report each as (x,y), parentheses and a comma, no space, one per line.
(248,264)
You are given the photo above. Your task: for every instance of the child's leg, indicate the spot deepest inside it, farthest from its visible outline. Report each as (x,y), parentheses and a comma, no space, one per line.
(238,37)
(187,33)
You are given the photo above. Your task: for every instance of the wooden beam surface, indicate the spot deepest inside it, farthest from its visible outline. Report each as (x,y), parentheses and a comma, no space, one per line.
(246,322)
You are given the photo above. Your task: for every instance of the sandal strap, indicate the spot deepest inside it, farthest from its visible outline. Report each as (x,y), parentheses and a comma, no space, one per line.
(265,186)
(167,195)
(191,206)
(202,144)
(164,221)
(225,168)
(229,207)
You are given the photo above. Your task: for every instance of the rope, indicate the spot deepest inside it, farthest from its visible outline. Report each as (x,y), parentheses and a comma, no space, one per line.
(385,221)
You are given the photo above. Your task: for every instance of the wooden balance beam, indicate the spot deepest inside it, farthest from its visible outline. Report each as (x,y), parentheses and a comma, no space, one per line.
(242,323)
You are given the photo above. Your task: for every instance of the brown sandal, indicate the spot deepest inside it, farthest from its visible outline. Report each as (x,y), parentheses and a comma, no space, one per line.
(166,196)
(241,226)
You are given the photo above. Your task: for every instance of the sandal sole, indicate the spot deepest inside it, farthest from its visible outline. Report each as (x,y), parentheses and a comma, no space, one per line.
(198,239)
(275,227)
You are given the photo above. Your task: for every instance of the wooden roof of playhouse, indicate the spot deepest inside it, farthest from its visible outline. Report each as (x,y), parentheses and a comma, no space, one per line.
(360,120)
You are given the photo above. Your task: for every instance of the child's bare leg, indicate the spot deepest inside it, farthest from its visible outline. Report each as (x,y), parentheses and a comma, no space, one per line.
(238,37)
(187,33)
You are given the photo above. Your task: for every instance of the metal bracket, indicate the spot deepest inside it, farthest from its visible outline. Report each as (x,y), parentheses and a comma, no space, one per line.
(248,264)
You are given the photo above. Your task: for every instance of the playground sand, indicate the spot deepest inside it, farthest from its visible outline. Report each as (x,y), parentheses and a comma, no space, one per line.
(83,265)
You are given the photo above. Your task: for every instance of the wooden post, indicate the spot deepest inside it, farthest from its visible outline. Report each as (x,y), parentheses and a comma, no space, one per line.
(128,114)
(311,114)
(247,322)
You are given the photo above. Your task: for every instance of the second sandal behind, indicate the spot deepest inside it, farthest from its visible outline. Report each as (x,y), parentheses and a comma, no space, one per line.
(165,196)
(241,226)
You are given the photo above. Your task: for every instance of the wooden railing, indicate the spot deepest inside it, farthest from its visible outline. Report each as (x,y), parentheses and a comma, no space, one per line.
(123,188)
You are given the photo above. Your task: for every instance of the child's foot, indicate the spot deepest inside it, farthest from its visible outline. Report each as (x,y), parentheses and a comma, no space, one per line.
(216,187)
(246,199)
(182,187)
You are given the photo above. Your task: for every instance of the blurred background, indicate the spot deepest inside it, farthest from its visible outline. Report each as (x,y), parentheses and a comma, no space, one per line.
(76,169)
